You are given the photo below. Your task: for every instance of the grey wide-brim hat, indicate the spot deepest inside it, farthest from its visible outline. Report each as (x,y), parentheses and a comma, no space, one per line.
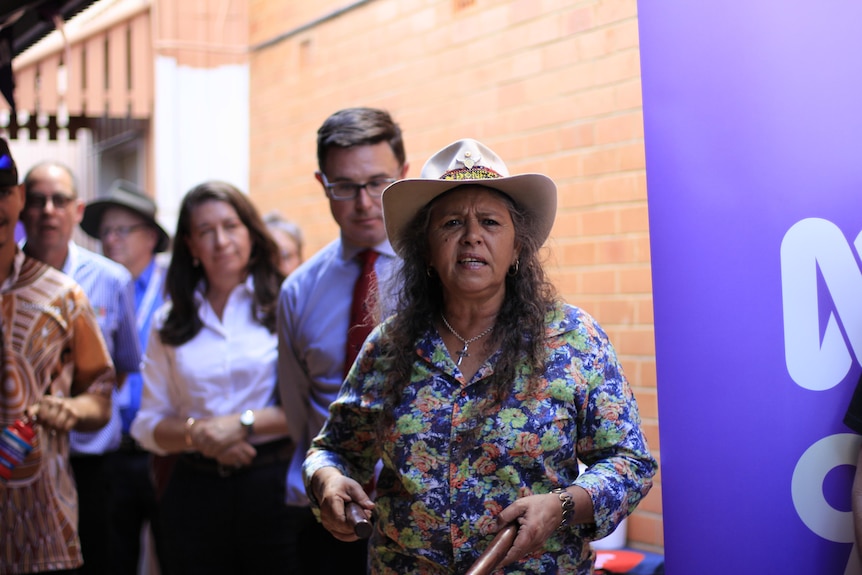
(460,163)
(125,195)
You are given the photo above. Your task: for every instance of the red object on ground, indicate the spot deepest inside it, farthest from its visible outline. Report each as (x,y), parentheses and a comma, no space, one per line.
(618,561)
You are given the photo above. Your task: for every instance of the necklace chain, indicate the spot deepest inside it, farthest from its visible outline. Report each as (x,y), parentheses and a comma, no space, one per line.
(462,353)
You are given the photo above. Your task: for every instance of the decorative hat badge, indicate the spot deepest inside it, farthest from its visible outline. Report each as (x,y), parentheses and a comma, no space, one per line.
(472,170)
(468,159)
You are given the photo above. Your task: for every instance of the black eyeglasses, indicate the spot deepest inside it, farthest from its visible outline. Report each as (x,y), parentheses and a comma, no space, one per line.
(349,190)
(119,231)
(39,201)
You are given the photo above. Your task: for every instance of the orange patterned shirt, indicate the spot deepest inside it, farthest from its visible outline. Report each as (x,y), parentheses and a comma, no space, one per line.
(51,344)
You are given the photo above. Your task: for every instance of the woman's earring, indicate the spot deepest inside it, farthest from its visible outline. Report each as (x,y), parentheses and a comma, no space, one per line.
(428,271)
(513,269)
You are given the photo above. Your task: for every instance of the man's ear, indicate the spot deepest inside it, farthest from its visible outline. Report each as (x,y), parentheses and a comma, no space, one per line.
(319,177)
(21,193)
(153,236)
(79,210)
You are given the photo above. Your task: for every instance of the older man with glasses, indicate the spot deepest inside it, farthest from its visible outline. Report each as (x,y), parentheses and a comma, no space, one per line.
(51,211)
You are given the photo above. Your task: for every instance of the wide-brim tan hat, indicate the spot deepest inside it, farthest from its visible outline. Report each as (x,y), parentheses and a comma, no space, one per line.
(125,195)
(460,163)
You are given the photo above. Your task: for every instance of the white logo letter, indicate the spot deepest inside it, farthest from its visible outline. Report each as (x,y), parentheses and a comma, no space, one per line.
(810,245)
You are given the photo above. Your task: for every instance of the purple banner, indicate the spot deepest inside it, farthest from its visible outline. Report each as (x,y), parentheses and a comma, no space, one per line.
(753,119)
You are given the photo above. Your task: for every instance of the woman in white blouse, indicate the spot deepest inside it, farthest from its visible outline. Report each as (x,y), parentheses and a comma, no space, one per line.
(210,391)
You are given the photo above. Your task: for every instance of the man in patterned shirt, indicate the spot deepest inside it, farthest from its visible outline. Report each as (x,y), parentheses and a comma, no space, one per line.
(57,370)
(52,210)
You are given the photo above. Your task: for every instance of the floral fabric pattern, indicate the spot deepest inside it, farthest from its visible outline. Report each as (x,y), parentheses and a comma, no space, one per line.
(447,475)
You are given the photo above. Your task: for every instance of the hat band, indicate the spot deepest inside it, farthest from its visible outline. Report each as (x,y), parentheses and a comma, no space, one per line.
(474,173)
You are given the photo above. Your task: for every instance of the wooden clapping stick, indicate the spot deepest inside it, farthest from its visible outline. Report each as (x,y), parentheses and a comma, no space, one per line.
(495,552)
(356,516)
(484,565)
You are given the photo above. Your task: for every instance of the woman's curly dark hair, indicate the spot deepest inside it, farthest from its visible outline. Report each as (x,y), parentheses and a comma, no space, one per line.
(520,328)
(183,321)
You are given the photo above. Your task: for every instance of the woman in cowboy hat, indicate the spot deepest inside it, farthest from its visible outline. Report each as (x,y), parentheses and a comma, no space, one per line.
(482,392)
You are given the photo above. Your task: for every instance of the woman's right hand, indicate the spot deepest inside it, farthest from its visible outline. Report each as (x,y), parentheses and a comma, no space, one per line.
(333,491)
(54,413)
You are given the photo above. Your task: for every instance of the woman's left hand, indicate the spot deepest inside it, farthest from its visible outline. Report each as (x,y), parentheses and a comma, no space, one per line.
(537,516)
(212,436)
(239,454)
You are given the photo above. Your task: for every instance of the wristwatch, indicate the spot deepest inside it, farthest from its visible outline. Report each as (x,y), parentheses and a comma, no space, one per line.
(247,421)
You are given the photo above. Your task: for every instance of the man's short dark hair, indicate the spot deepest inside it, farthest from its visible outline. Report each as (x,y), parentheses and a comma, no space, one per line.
(359,127)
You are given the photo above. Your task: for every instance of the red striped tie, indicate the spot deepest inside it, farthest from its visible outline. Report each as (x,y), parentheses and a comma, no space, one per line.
(361,321)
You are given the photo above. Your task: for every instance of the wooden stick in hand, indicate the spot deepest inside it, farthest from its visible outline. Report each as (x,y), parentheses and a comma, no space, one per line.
(356,516)
(495,552)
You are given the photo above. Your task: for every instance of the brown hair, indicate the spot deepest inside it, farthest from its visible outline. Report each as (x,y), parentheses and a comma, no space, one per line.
(183,322)
(276,221)
(359,127)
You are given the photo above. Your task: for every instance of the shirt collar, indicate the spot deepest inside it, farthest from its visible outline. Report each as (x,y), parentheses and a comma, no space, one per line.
(71,262)
(16,269)
(349,251)
(143,280)
(562,318)
(201,288)
(71,255)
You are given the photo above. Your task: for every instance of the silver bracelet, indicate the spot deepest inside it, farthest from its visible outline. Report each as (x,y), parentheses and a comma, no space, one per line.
(567,503)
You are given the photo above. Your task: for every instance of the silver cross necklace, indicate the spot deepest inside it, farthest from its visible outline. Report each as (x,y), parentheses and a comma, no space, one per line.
(462,353)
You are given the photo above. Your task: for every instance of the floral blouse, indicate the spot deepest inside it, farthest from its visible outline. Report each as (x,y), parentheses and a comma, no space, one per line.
(444,481)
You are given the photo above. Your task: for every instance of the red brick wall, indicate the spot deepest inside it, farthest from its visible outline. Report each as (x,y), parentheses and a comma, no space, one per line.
(552,87)
(202,34)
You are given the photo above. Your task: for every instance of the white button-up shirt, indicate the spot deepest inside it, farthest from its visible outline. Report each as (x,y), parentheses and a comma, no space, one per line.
(228,367)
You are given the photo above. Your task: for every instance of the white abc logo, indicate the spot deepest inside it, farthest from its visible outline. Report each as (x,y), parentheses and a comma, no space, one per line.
(811,245)
(819,359)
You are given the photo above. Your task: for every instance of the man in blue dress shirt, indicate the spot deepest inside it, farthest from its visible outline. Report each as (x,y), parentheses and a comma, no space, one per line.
(52,209)
(360,151)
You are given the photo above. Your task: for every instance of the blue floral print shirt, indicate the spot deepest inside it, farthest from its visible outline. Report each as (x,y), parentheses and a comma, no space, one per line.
(443,482)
